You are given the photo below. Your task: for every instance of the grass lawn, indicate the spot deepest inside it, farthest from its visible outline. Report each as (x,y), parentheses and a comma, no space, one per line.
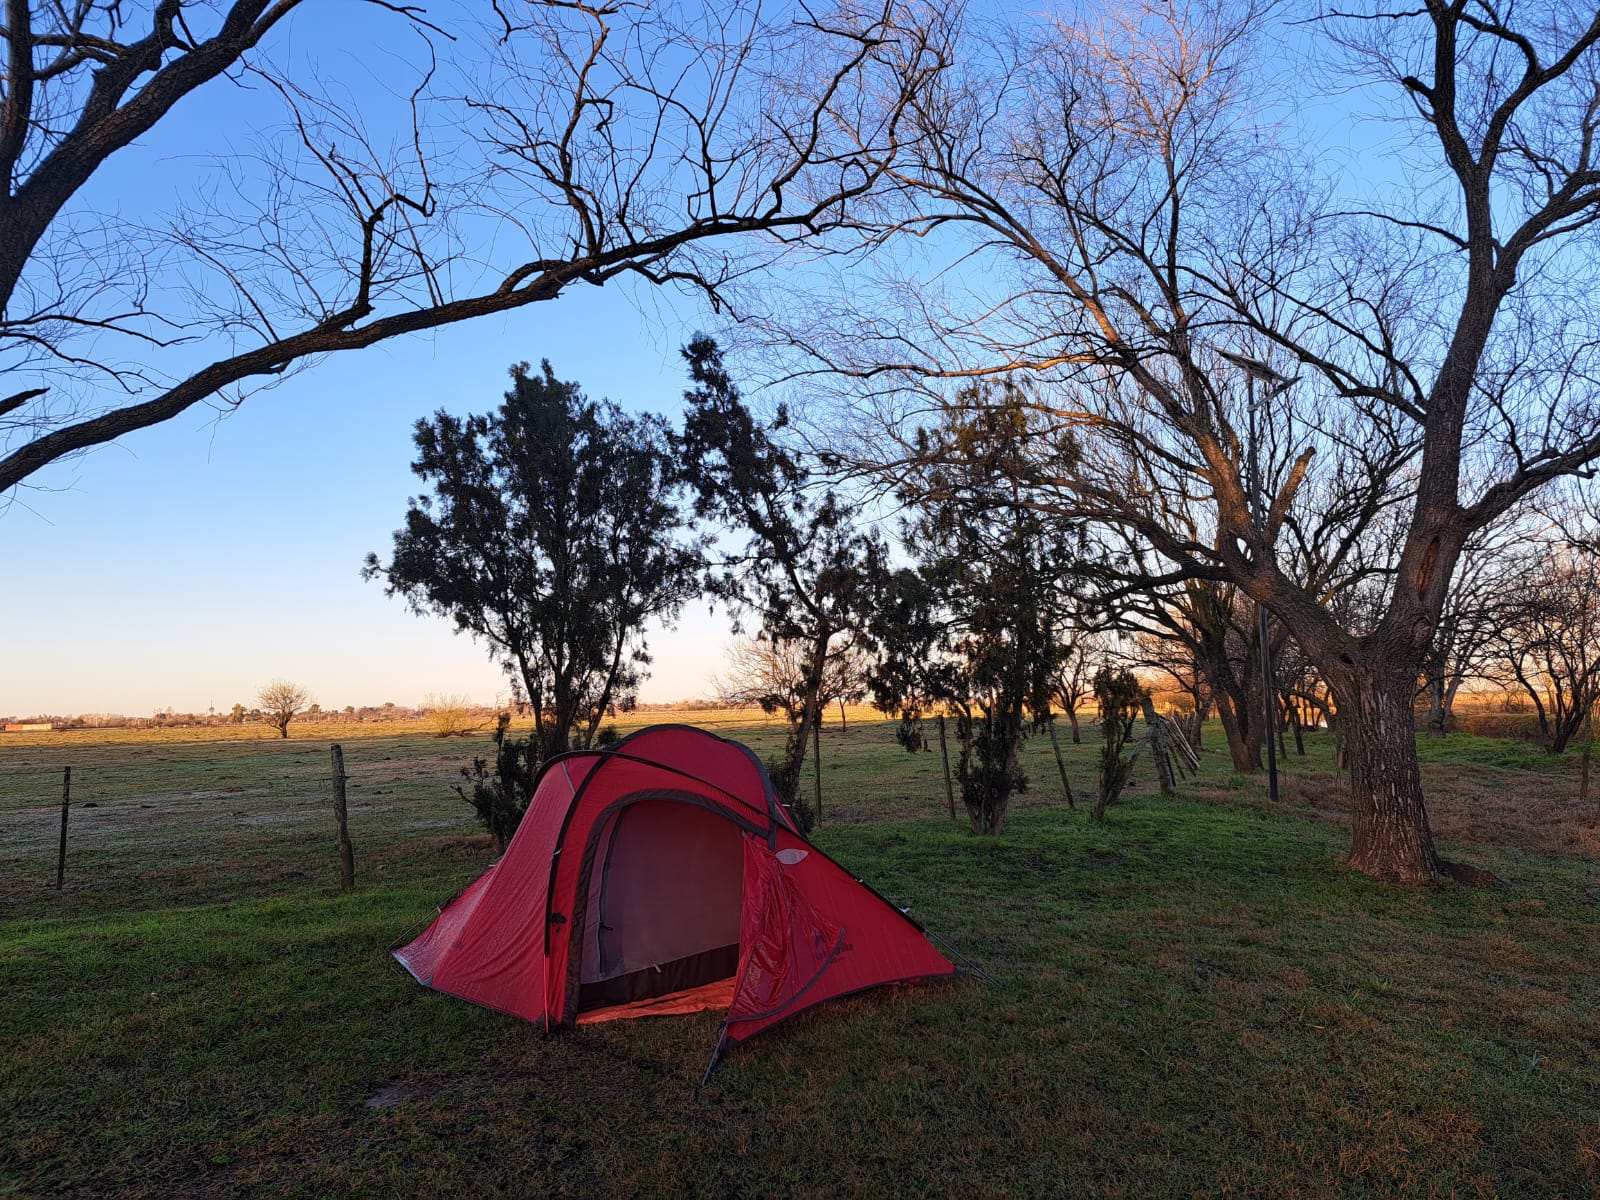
(1193,999)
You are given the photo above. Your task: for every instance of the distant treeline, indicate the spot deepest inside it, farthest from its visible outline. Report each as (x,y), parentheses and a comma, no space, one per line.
(241,715)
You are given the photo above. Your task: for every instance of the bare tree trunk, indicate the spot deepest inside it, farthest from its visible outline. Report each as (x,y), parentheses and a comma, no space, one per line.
(1243,737)
(1077,734)
(1436,708)
(599,713)
(1011,715)
(1390,836)
(810,717)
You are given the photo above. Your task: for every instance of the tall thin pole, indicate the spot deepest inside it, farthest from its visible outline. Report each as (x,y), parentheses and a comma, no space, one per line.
(949,792)
(341,818)
(66,801)
(816,756)
(1268,707)
(1061,763)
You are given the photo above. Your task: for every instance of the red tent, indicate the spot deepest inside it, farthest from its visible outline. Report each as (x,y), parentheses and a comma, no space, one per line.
(662,875)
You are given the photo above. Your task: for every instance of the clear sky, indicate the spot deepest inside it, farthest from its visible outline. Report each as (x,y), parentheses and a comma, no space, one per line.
(188,564)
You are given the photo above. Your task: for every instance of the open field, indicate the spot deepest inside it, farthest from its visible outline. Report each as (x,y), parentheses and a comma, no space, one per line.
(1191,1000)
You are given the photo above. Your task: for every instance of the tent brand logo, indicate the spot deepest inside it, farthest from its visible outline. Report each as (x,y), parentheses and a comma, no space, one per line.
(790,857)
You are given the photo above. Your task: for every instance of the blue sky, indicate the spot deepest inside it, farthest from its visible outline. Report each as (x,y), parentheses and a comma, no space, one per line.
(188,564)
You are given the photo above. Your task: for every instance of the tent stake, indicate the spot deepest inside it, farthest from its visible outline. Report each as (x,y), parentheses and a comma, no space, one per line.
(715,1055)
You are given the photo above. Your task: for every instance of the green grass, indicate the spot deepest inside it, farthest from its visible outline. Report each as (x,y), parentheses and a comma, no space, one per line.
(1193,999)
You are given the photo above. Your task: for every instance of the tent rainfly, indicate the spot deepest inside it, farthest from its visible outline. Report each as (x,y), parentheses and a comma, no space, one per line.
(662,875)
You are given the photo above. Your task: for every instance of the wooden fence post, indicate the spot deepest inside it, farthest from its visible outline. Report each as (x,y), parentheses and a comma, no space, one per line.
(66,801)
(347,854)
(1158,749)
(944,753)
(816,756)
(1061,764)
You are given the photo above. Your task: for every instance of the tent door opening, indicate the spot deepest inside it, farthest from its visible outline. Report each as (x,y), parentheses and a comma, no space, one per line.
(663,908)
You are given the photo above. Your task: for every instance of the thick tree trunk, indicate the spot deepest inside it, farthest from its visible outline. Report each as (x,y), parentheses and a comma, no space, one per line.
(1437,714)
(1390,837)
(1243,737)
(810,716)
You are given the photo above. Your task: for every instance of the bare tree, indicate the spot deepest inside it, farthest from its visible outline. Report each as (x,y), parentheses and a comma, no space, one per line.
(1487,598)
(535,147)
(453,714)
(282,701)
(1072,684)
(770,674)
(1551,641)
(1103,208)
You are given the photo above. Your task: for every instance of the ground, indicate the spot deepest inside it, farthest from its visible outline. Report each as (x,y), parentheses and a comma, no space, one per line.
(1193,999)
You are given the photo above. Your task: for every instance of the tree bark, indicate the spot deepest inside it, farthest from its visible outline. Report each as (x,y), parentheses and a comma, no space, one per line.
(1243,736)
(810,715)
(1390,836)
(1437,712)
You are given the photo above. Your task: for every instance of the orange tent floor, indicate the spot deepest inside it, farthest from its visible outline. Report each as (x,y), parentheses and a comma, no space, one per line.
(708,995)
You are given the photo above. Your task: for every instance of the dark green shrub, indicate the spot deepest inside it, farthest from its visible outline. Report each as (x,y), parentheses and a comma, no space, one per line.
(501,798)
(1119,695)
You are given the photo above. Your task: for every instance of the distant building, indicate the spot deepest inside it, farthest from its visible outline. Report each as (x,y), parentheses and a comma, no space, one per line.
(29,727)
